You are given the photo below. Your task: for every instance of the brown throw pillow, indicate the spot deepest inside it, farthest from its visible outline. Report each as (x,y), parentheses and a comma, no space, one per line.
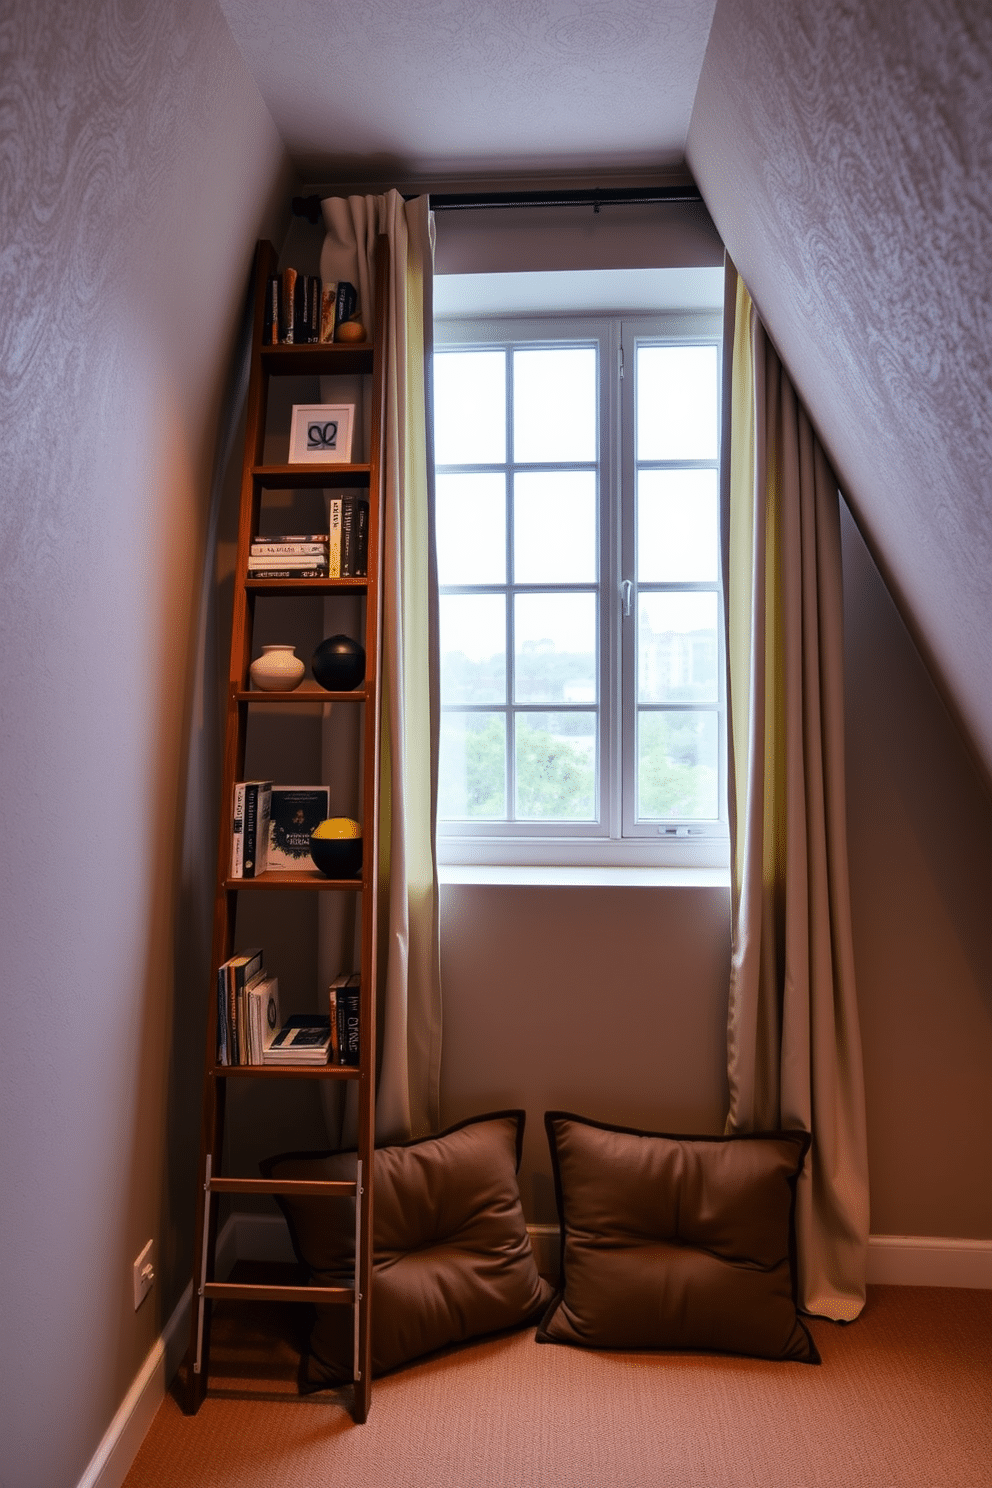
(452,1257)
(676,1242)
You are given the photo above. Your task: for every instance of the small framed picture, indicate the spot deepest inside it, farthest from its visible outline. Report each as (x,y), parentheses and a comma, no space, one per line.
(320,434)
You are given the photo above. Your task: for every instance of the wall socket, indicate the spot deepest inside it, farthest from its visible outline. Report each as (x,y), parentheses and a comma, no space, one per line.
(144,1274)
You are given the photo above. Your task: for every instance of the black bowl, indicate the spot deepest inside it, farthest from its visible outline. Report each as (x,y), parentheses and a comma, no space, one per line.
(338,664)
(337,857)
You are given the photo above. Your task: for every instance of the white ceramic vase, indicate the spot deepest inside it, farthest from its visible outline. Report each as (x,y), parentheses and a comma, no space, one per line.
(278,669)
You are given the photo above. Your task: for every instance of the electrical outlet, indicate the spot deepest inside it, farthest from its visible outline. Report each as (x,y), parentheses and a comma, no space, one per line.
(144,1274)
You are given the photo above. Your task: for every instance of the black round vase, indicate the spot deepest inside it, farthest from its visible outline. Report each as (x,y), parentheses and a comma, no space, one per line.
(338,664)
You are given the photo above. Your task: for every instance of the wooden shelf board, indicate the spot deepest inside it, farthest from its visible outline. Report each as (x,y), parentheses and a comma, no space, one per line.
(301,695)
(288,361)
(287,1071)
(308,477)
(306,586)
(305,879)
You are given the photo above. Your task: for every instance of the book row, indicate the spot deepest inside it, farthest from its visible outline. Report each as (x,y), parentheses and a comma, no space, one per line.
(252,1031)
(272,826)
(301,310)
(340,553)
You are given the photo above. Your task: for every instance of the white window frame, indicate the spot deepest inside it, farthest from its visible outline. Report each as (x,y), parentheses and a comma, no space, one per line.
(610,841)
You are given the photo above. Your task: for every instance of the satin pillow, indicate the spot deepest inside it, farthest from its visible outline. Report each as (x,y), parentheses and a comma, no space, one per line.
(676,1242)
(452,1257)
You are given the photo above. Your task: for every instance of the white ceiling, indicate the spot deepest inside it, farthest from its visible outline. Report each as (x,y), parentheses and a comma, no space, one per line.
(402,89)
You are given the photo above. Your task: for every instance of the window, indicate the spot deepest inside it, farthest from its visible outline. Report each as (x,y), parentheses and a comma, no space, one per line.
(582,662)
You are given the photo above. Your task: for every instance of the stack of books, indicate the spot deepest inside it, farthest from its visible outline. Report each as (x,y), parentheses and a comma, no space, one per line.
(293,556)
(248,1017)
(304,1038)
(300,310)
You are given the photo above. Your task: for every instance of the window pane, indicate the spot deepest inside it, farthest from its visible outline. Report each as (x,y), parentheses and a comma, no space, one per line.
(556,766)
(676,403)
(554,404)
(677,765)
(471,781)
(470,407)
(473,648)
(471,529)
(676,648)
(555,648)
(554,527)
(677,527)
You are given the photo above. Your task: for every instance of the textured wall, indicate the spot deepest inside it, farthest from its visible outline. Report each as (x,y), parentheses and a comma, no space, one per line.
(845,153)
(137,163)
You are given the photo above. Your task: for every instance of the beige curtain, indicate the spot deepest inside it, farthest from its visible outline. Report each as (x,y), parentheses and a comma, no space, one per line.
(794,1047)
(409,1013)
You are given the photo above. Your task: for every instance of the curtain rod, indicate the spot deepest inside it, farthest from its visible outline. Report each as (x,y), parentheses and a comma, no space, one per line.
(309,206)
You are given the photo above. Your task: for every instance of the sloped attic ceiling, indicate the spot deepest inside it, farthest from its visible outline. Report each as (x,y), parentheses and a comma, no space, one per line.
(401,89)
(845,154)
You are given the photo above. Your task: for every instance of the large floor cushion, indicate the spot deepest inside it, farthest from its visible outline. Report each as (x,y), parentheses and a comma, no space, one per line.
(676,1242)
(452,1257)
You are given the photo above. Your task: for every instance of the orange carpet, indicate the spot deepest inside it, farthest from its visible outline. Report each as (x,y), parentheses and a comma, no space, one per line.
(903,1398)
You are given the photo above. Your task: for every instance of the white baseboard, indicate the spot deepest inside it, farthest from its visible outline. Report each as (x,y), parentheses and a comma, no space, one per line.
(112,1460)
(893,1260)
(929,1260)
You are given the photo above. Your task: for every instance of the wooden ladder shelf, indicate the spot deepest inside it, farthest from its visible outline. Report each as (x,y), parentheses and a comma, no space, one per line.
(269,362)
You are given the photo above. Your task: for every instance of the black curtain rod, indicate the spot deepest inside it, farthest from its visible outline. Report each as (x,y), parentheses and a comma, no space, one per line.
(309,206)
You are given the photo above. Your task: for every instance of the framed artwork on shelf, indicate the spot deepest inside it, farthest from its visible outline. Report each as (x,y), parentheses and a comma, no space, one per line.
(321,433)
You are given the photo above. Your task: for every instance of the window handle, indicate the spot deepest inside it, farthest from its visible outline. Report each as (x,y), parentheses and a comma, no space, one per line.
(626,593)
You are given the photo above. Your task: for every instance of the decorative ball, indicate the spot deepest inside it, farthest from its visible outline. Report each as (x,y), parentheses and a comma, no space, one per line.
(338,664)
(336,847)
(350,330)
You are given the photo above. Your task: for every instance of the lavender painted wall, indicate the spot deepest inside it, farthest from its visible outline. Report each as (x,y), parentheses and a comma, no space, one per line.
(137,166)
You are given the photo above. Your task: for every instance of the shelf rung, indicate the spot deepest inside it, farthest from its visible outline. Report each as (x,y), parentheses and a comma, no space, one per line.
(306,879)
(244,1292)
(302,695)
(326,1186)
(287,1071)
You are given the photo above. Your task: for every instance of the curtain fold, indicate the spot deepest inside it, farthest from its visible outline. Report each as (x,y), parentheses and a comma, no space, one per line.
(409,992)
(794,1047)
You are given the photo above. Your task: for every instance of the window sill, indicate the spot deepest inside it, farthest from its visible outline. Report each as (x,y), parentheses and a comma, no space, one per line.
(601,876)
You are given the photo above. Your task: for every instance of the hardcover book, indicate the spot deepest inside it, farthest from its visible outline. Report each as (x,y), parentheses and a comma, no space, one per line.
(286,547)
(258,796)
(328,308)
(334,538)
(347,1003)
(273,301)
(288,573)
(313,309)
(354,537)
(347,302)
(294,811)
(232,977)
(287,315)
(264,1017)
(286,560)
